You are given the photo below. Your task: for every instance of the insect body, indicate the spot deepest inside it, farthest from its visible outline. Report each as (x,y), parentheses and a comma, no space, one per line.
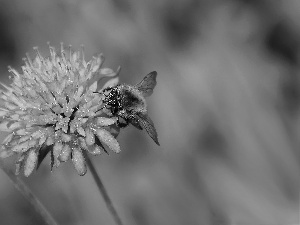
(128,103)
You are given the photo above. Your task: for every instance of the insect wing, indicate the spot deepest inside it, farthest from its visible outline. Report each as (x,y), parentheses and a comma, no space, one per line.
(147,85)
(136,124)
(146,123)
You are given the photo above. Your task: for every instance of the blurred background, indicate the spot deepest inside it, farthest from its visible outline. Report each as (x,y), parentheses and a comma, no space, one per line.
(226,108)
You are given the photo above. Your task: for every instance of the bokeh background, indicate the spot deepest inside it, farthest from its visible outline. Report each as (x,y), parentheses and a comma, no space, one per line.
(226,109)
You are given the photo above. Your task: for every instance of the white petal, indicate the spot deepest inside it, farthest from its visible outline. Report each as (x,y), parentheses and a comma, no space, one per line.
(93,87)
(57,148)
(95,150)
(10,106)
(111,83)
(24,138)
(37,134)
(19,163)
(5,153)
(3,113)
(8,138)
(106,137)
(107,72)
(79,161)
(30,163)
(42,140)
(15,116)
(104,121)
(50,141)
(3,126)
(78,93)
(90,137)
(21,132)
(65,153)
(15,125)
(81,131)
(65,137)
(21,147)
(96,63)
(82,143)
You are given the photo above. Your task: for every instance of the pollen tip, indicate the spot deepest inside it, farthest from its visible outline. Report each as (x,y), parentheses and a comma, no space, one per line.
(36,49)
(5,86)
(118,70)
(70,51)
(82,51)
(62,48)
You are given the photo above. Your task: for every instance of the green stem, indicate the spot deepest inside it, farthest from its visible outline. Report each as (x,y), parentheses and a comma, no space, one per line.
(103,191)
(30,197)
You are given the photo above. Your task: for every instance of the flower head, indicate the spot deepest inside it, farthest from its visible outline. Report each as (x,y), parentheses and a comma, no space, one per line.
(51,107)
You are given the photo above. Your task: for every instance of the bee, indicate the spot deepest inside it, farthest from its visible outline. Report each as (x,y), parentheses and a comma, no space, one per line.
(128,104)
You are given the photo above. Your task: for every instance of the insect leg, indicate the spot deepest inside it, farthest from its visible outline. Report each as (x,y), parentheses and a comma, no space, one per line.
(122,122)
(102,92)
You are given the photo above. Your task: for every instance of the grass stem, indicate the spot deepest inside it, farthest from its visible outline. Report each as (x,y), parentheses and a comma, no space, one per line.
(103,191)
(28,194)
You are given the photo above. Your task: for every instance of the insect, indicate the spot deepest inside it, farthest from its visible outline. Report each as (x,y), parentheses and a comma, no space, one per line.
(128,103)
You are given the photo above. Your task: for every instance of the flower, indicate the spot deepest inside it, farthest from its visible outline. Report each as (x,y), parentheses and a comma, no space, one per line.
(52,107)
